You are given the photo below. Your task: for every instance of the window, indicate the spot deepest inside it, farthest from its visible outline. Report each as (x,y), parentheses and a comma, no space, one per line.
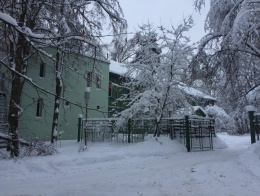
(110,89)
(98,81)
(127,92)
(89,79)
(42,70)
(98,107)
(39,107)
(67,105)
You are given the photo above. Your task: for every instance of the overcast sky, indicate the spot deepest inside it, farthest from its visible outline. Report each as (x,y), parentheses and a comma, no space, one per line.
(163,12)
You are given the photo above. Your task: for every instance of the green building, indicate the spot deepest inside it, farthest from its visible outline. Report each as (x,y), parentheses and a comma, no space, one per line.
(78,73)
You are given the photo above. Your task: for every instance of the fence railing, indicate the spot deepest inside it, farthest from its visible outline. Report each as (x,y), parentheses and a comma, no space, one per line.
(193,131)
(256,123)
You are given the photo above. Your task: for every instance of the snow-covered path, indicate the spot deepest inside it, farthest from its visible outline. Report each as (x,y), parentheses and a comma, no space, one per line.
(148,168)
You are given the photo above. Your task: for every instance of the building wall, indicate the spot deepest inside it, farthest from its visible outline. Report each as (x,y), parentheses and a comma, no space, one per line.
(117,91)
(74,85)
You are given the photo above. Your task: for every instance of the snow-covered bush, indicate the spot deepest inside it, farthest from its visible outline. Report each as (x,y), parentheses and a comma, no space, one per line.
(223,121)
(40,148)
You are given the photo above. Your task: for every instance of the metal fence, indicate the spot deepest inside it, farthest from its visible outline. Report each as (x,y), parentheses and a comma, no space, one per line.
(99,130)
(256,122)
(193,131)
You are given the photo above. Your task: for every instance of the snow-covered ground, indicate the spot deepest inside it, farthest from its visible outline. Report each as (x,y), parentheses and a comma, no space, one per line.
(153,167)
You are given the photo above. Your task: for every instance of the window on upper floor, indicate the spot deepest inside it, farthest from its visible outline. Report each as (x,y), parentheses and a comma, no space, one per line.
(42,70)
(89,79)
(98,81)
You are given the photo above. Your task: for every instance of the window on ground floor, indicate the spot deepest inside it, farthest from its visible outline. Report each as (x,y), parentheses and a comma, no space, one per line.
(39,107)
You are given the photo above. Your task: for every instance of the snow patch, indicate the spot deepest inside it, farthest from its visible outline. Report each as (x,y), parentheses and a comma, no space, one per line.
(154,167)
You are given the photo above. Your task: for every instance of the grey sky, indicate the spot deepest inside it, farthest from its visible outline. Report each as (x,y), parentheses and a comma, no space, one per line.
(165,12)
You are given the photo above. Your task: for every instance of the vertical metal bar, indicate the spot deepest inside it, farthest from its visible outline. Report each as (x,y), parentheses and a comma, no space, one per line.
(257,126)
(79,126)
(85,132)
(187,133)
(129,131)
(252,130)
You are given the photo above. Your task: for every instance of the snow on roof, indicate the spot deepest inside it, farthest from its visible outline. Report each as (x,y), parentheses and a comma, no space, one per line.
(117,68)
(194,92)
(195,108)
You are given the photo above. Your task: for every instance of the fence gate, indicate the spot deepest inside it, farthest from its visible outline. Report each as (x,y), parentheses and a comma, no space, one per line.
(194,132)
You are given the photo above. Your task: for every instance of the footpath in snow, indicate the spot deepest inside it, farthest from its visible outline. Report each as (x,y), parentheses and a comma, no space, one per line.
(153,167)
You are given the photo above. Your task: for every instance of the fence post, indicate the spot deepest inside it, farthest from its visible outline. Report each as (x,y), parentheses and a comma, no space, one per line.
(79,126)
(129,131)
(251,110)
(257,125)
(187,127)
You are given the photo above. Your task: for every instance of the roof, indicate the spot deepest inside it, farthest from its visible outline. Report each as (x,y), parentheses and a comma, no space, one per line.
(117,68)
(194,92)
(196,108)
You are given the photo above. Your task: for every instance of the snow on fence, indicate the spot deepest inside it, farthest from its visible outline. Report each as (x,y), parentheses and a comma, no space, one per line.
(193,131)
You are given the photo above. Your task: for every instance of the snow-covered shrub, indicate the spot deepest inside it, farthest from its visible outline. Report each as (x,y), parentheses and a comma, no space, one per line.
(223,122)
(40,148)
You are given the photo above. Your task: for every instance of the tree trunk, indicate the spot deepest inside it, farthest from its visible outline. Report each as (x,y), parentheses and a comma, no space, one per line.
(57,98)
(15,97)
(157,130)
(13,116)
